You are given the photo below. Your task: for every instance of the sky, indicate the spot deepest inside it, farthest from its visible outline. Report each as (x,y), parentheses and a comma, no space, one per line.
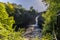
(37,4)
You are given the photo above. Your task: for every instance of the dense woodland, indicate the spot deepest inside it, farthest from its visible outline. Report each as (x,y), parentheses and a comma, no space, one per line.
(14,20)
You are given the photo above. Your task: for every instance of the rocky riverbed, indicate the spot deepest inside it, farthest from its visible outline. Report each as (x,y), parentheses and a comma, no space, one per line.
(33,31)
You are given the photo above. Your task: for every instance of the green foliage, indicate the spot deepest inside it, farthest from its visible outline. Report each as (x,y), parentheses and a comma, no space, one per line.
(50,17)
(36,38)
(48,36)
(3,13)
(11,35)
(6,23)
(10,8)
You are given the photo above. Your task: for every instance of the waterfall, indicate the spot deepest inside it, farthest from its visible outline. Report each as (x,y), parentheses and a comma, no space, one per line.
(36,19)
(33,30)
(36,22)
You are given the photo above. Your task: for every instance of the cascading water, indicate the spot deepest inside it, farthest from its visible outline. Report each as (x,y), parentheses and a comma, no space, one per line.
(36,23)
(37,20)
(33,30)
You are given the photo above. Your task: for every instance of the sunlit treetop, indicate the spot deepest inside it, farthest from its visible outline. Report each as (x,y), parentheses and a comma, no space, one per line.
(53,5)
(54,1)
(3,13)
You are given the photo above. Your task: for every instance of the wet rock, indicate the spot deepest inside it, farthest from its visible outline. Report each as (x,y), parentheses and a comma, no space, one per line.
(32,32)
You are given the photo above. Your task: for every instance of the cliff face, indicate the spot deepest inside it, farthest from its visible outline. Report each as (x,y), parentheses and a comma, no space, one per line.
(40,20)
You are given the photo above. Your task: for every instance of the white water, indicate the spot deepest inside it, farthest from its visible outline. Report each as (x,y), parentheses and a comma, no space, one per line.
(36,23)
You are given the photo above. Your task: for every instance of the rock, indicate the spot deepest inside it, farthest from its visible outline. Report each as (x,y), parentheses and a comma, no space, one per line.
(32,32)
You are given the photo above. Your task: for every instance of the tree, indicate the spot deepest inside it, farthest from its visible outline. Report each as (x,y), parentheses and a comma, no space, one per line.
(50,17)
(6,22)
(10,9)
